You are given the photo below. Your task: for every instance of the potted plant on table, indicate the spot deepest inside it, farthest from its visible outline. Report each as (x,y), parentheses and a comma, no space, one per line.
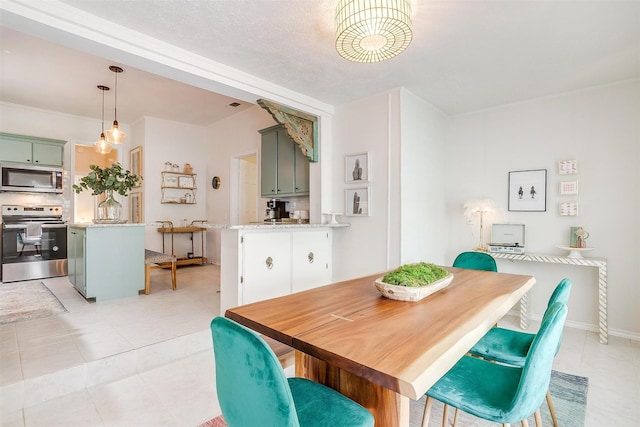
(412,282)
(108,180)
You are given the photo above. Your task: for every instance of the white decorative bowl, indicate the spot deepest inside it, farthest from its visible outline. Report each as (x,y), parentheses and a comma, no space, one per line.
(407,293)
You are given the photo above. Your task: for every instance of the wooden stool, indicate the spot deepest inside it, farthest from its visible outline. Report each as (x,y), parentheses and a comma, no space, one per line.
(153,259)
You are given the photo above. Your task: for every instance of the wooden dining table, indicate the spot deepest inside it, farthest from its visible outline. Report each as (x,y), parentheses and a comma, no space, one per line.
(378,351)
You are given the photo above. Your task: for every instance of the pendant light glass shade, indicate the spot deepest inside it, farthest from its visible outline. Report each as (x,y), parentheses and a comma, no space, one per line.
(102,146)
(115,135)
(372,30)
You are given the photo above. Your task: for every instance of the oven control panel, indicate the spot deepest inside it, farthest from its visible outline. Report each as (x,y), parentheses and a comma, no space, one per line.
(32,211)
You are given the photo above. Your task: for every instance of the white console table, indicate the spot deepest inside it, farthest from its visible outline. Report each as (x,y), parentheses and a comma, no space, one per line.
(599,263)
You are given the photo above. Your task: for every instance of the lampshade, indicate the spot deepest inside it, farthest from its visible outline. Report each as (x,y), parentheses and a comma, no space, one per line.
(372,30)
(115,135)
(102,146)
(478,206)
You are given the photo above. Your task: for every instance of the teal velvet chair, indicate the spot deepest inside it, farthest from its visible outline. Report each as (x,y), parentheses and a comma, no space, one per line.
(475,261)
(503,393)
(253,390)
(511,347)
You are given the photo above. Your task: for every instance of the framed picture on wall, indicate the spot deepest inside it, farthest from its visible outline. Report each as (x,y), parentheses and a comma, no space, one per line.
(135,207)
(135,162)
(357,201)
(528,190)
(356,168)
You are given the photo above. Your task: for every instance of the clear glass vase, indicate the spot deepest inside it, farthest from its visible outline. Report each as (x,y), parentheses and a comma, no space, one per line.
(109,209)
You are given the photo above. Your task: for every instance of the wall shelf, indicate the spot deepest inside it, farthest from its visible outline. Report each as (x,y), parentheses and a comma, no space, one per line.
(178,188)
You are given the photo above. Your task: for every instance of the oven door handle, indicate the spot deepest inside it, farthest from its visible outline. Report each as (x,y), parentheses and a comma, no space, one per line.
(23,226)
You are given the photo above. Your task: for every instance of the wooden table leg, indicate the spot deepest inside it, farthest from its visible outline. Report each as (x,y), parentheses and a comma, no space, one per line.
(147,279)
(173,274)
(389,408)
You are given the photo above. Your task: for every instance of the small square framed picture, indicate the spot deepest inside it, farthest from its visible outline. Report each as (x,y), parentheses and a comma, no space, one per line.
(568,188)
(357,201)
(568,208)
(568,167)
(356,168)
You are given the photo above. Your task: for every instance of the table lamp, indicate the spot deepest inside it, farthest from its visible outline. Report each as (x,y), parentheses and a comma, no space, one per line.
(480,206)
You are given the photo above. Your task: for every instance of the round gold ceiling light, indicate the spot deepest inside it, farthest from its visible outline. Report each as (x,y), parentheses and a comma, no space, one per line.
(372,30)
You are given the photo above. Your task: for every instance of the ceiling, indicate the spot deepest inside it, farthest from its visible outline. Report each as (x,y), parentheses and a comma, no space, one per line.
(465,55)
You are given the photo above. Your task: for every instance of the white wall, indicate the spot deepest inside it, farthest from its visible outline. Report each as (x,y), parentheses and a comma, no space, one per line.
(424,215)
(228,139)
(180,143)
(600,128)
(405,138)
(362,126)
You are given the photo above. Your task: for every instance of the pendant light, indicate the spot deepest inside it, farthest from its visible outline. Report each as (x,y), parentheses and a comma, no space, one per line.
(115,135)
(102,146)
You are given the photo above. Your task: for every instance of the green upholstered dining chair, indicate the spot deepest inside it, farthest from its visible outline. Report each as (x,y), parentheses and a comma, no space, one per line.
(253,390)
(511,347)
(503,393)
(475,261)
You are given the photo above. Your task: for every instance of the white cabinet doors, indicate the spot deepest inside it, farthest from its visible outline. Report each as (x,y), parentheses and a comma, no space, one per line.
(311,259)
(267,266)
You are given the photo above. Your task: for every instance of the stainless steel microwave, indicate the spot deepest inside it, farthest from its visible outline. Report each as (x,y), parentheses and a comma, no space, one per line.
(27,178)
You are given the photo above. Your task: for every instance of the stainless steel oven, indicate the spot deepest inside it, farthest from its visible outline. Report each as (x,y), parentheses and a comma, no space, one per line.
(34,242)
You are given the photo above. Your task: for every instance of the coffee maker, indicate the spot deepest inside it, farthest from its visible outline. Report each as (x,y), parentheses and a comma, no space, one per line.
(276,210)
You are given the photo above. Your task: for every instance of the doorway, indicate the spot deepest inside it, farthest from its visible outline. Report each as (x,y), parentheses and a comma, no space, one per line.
(85,205)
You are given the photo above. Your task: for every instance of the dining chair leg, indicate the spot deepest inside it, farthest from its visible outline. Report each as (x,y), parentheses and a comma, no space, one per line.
(552,410)
(445,415)
(538,418)
(525,423)
(455,417)
(427,412)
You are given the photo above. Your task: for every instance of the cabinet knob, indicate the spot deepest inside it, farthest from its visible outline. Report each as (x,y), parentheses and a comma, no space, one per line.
(269,262)
(310,257)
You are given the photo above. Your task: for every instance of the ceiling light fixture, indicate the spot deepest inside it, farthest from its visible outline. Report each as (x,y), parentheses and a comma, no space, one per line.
(102,146)
(115,135)
(372,30)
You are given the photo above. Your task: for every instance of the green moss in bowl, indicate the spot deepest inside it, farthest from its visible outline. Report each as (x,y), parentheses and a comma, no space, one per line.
(415,275)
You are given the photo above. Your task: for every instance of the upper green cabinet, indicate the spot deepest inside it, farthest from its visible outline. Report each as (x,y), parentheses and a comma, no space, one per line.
(31,150)
(284,169)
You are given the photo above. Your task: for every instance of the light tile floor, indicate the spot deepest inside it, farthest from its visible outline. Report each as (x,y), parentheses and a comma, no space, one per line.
(147,361)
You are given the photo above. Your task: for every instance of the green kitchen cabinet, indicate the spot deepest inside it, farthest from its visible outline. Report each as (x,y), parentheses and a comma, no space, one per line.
(31,150)
(284,170)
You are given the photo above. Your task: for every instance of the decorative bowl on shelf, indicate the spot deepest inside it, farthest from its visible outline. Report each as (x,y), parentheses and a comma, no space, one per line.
(575,252)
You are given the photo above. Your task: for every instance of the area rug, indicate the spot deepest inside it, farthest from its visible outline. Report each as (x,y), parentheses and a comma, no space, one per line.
(27,301)
(568,393)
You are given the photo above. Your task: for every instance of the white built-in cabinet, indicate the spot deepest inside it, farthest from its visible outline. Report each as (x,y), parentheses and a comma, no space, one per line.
(263,263)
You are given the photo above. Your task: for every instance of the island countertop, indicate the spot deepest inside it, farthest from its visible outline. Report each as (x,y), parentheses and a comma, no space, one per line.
(92,225)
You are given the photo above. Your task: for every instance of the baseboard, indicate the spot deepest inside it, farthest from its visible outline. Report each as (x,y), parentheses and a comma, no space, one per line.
(621,333)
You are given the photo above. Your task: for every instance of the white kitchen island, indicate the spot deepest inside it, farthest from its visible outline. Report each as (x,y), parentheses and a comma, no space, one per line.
(262,261)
